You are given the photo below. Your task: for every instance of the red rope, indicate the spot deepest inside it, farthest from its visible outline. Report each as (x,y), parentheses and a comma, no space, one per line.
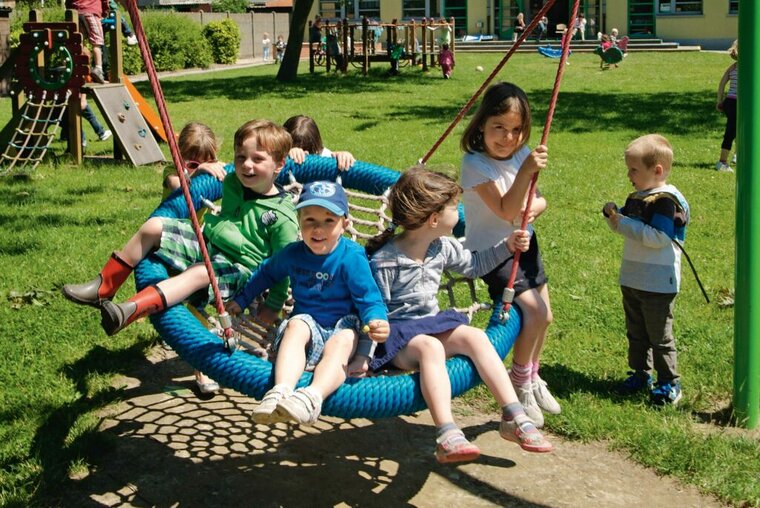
(531,26)
(150,68)
(544,138)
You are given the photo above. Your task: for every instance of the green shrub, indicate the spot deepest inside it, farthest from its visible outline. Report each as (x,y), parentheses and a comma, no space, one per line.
(230,5)
(224,38)
(20,15)
(175,43)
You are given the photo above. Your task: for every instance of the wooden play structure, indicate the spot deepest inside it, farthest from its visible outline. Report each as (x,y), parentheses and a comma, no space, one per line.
(51,70)
(360,44)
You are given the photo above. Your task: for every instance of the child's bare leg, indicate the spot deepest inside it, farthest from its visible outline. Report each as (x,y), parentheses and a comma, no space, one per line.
(305,405)
(292,351)
(535,312)
(288,368)
(547,318)
(515,425)
(331,371)
(146,239)
(473,343)
(427,354)
(180,287)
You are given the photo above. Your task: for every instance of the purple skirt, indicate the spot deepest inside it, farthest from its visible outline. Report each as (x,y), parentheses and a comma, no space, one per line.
(404,331)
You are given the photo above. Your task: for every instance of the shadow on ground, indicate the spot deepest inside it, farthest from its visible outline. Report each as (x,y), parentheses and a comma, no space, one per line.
(164,446)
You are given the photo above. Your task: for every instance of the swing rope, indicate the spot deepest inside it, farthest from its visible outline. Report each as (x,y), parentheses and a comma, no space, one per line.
(531,26)
(509,291)
(179,164)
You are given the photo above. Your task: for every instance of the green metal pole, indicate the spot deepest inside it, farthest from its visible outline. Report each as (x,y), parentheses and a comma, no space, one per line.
(747,312)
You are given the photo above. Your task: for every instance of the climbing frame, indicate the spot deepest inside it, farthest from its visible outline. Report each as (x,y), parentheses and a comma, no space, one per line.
(130,128)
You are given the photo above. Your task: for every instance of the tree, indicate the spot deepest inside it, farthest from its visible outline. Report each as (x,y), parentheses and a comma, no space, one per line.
(289,68)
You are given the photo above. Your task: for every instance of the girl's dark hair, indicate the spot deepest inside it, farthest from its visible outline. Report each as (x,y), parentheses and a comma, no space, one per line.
(499,99)
(416,195)
(305,134)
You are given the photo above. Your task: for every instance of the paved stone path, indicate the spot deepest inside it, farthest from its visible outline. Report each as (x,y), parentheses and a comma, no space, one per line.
(171,448)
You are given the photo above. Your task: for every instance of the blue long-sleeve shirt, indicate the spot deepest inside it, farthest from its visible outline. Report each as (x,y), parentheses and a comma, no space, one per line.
(325,287)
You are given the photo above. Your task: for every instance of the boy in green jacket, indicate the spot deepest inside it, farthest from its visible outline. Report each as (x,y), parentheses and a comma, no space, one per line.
(257,219)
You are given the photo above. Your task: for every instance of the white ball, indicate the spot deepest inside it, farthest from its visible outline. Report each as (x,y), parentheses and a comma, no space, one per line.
(479,68)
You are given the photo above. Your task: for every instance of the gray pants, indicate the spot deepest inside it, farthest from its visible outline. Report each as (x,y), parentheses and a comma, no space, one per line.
(649,321)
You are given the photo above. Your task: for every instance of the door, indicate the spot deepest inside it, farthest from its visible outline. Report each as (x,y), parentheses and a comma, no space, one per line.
(641,18)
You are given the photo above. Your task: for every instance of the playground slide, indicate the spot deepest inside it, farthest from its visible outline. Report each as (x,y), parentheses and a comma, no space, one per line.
(151,117)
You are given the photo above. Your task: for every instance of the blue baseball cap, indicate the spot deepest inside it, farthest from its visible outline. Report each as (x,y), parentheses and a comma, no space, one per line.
(328,195)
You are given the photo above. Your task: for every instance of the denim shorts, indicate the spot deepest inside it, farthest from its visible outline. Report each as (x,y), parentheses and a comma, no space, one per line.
(319,335)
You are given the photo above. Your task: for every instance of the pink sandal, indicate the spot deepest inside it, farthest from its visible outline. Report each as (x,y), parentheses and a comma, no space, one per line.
(454,447)
(531,441)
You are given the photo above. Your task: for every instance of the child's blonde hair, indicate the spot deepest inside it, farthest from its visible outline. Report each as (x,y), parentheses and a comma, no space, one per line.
(268,135)
(197,142)
(733,51)
(416,195)
(652,149)
(498,99)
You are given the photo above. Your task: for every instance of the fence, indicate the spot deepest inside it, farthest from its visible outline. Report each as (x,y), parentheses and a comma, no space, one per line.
(252,25)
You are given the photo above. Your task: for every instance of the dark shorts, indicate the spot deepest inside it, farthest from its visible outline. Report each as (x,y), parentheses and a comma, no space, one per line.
(404,331)
(530,273)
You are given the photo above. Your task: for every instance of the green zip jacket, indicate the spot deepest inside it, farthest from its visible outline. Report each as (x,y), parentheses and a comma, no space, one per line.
(251,227)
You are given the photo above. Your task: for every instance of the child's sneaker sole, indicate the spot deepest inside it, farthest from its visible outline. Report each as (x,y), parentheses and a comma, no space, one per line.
(535,442)
(454,447)
(268,418)
(463,456)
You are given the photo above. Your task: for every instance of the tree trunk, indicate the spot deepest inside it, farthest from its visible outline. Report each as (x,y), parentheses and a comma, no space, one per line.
(299,17)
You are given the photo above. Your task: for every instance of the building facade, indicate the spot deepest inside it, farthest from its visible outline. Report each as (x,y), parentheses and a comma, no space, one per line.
(712,24)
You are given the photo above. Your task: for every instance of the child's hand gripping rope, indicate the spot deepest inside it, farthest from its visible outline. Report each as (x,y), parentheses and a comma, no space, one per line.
(518,241)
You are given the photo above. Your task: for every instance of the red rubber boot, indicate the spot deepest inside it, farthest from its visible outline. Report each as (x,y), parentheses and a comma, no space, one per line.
(115,317)
(101,288)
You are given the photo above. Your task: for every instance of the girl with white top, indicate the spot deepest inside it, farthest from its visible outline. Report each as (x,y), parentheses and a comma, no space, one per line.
(496,172)
(407,268)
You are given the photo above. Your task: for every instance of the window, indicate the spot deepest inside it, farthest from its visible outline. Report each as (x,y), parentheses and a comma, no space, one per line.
(331,9)
(680,7)
(368,8)
(733,7)
(457,9)
(416,9)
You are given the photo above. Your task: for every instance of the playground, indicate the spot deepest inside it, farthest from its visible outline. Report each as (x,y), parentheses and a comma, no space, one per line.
(58,373)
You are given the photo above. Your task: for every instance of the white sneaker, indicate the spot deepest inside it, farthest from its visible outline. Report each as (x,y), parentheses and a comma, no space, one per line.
(733,159)
(528,401)
(106,135)
(724,167)
(544,398)
(265,412)
(131,40)
(304,406)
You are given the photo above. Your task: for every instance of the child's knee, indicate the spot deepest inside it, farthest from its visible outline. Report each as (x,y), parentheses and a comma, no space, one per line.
(427,347)
(153,227)
(296,329)
(341,345)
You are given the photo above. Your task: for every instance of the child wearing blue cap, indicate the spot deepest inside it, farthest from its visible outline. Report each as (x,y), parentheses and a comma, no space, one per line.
(335,294)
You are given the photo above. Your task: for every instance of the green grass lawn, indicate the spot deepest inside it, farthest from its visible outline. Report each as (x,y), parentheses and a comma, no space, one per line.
(61,225)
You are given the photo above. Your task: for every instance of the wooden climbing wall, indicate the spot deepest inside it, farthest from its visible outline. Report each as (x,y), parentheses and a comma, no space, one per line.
(127,124)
